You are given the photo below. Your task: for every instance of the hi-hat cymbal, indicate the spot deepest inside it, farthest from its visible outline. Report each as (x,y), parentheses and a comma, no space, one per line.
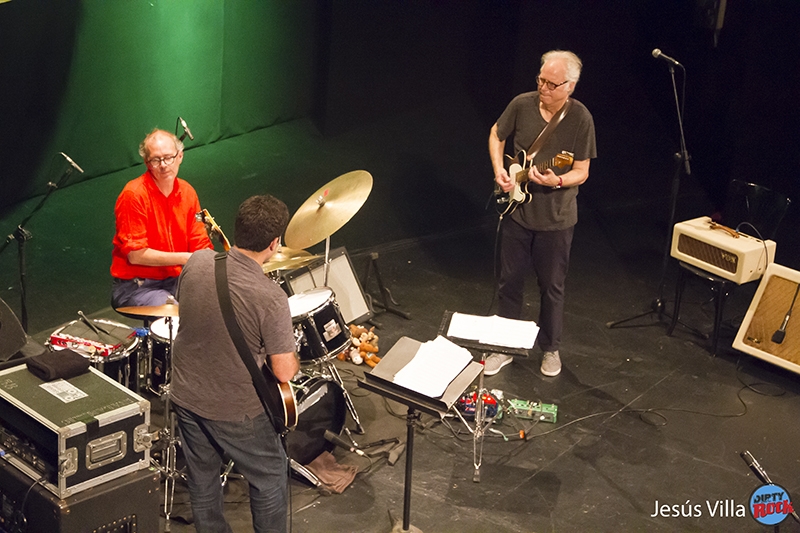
(151,310)
(287,259)
(328,209)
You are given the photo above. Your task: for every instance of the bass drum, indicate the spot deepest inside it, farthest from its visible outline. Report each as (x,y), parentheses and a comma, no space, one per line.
(320,407)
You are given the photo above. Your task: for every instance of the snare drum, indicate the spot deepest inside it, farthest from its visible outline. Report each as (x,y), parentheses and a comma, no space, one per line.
(160,338)
(320,407)
(108,351)
(319,328)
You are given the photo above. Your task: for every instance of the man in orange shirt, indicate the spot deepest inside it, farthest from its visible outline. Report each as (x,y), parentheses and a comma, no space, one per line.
(157,228)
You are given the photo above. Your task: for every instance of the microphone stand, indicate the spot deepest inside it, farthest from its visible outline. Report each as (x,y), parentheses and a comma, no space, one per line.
(22,235)
(658,306)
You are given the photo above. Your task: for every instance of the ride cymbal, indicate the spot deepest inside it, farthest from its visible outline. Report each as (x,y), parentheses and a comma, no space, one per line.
(150,310)
(328,209)
(287,259)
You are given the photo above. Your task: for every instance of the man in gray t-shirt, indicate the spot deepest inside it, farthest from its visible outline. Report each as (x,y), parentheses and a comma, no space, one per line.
(220,415)
(538,233)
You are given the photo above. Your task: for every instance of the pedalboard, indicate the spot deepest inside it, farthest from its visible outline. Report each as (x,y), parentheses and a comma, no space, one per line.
(525,409)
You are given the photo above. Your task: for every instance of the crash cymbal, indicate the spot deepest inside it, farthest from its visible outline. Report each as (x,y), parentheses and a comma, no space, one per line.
(288,261)
(150,310)
(328,209)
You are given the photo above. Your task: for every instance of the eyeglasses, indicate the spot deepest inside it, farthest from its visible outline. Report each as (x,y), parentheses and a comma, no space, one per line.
(549,84)
(157,161)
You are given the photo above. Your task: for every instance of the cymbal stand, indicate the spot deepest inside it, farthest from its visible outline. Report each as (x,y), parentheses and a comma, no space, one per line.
(170,457)
(327,368)
(327,261)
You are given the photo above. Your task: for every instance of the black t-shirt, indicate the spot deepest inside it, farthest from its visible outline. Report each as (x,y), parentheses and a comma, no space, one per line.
(550,209)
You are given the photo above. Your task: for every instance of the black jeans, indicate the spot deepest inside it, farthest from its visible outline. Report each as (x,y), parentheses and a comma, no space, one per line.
(548,253)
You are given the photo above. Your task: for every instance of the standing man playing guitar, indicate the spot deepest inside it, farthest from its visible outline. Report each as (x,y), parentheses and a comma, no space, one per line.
(220,415)
(538,233)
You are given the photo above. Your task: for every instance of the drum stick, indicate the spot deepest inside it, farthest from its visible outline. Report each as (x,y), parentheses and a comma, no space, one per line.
(96,329)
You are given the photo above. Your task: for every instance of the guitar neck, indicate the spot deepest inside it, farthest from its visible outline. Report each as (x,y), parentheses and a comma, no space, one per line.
(522,175)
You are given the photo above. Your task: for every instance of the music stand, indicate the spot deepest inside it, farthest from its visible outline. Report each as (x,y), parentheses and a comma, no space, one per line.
(480,423)
(380,381)
(476,345)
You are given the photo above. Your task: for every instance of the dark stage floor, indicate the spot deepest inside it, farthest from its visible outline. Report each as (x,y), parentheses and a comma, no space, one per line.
(644,419)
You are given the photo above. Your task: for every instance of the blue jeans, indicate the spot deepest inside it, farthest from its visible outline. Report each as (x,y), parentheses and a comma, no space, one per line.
(140,291)
(258,455)
(548,253)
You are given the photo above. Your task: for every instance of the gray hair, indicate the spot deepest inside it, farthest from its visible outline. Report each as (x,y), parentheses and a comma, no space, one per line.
(572,62)
(143,145)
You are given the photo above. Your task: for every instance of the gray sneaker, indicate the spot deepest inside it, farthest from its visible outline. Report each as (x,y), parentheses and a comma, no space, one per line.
(495,362)
(551,364)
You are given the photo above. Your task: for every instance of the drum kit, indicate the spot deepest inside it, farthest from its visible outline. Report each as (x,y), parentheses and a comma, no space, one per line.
(140,358)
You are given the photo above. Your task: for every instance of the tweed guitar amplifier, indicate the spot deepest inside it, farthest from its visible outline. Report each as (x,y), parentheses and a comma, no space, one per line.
(721,251)
(71,435)
(770,330)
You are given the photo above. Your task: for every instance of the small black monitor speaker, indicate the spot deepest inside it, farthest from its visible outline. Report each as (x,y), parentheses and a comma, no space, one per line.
(341,279)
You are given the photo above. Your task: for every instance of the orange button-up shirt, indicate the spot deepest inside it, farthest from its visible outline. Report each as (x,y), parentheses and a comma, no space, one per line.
(147,219)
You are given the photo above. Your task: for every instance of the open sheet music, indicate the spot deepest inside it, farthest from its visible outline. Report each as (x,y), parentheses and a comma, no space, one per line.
(434,366)
(494,330)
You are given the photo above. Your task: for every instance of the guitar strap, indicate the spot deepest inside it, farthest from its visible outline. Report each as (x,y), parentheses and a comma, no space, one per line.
(548,130)
(224,295)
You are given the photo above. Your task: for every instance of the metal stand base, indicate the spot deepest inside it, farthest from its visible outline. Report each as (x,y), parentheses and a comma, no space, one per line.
(387,302)
(328,369)
(405,526)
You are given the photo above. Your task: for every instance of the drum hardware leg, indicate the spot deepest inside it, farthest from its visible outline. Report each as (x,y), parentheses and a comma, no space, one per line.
(170,458)
(227,473)
(309,475)
(331,368)
(387,302)
(350,437)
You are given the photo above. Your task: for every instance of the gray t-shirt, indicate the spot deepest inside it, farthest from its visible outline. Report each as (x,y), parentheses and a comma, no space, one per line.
(550,209)
(209,377)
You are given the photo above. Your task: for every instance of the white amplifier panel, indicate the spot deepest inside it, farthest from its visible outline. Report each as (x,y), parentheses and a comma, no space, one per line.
(739,258)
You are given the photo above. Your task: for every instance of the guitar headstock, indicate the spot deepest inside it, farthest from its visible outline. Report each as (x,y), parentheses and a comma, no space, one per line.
(564,159)
(212,228)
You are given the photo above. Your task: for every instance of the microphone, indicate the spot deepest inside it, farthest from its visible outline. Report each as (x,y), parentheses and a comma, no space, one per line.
(780,334)
(186,128)
(660,55)
(333,438)
(755,467)
(71,162)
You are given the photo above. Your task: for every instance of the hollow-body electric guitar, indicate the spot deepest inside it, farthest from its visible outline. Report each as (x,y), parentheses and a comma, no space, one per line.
(518,171)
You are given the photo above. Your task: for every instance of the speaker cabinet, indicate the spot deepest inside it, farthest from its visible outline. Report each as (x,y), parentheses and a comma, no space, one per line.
(341,279)
(12,336)
(773,300)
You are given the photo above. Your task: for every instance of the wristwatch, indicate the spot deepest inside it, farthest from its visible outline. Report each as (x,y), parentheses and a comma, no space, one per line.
(560,183)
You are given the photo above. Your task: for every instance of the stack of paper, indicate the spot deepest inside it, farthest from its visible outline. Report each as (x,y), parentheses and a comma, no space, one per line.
(494,330)
(434,366)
